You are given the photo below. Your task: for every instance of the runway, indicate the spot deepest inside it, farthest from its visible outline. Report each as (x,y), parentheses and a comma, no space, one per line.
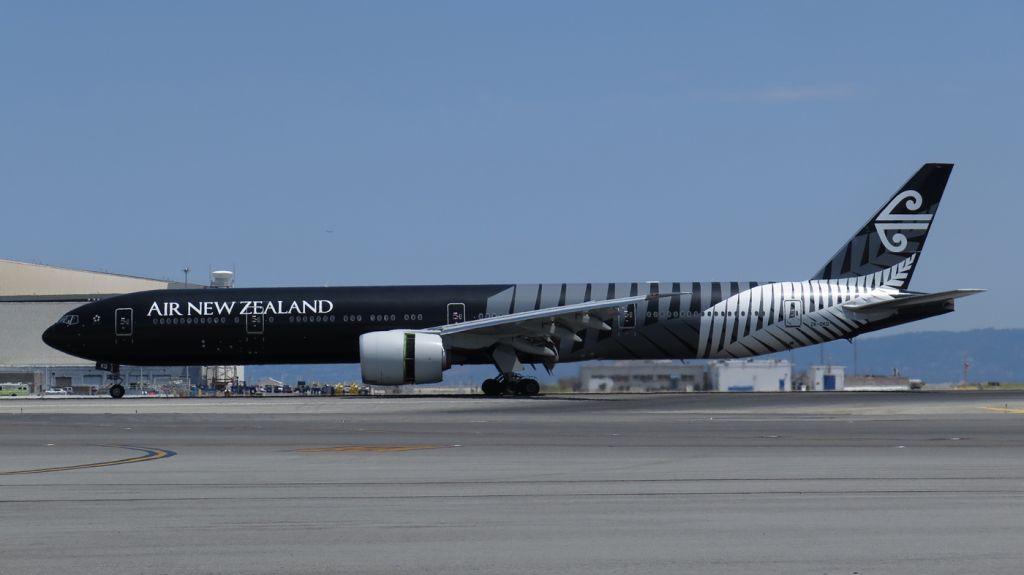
(712,483)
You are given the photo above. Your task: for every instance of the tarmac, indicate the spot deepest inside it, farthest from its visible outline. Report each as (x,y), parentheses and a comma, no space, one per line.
(839,483)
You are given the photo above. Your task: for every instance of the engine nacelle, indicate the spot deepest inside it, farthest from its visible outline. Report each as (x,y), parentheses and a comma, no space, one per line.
(400,356)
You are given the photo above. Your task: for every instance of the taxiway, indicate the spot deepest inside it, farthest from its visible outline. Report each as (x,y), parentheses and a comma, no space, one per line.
(710,483)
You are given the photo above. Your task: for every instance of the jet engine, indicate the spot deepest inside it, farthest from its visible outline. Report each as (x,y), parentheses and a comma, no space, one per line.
(397,357)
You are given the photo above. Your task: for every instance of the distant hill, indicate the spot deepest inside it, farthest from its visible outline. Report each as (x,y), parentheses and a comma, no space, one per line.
(934,356)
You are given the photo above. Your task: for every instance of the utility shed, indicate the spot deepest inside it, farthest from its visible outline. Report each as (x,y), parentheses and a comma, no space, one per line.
(826,377)
(751,375)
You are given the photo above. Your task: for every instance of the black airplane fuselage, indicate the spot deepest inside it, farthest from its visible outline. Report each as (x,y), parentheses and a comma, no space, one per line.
(323,325)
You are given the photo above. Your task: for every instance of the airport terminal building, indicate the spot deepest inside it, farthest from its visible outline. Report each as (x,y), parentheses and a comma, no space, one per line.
(34,296)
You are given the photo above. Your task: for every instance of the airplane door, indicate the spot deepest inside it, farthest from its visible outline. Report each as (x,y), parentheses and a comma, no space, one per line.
(627,319)
(794,311)
(123,321)
(254,324)
(456,313)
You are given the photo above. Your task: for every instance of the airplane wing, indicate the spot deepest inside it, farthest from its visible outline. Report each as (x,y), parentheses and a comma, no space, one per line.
(904,301)
(538,332)
(546,315)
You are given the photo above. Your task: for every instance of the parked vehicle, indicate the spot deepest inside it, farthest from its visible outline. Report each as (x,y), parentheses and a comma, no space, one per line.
(13,389)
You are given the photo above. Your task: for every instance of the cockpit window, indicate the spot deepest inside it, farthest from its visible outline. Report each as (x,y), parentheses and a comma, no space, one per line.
(70,319)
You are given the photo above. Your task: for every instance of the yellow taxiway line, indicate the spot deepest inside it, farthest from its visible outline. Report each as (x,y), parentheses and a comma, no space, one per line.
(368,448)
(149,454)
(1004,410)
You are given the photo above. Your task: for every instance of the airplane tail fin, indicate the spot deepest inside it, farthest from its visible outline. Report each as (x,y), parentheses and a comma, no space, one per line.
(896,234)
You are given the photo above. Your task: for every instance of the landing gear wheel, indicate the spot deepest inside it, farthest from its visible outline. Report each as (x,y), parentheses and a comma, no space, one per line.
(117,391)
(529,386)
(492,387)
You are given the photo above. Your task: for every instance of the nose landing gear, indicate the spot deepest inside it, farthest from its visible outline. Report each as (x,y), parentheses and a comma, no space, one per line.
(116,389)
(510,384)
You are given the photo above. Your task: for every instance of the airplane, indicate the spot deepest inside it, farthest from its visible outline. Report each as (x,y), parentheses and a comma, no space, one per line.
(412,334)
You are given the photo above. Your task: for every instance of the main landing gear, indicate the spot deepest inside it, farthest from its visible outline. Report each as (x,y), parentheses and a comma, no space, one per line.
(116,388)
(510,384)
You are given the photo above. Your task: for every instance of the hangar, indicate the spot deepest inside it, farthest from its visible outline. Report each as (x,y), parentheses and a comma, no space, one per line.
(33,296)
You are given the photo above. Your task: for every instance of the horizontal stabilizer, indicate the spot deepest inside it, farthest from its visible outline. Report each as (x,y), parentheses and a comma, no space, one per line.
(904,301)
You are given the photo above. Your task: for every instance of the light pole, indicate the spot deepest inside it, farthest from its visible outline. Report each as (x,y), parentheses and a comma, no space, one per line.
(186,269)
(855,356)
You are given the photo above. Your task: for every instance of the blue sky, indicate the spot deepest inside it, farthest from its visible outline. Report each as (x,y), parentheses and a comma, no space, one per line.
(476,142)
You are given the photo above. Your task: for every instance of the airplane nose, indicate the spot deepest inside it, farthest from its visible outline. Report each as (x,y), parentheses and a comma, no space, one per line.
(56,336)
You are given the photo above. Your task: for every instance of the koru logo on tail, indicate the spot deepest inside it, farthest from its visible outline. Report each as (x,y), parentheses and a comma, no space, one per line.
(887,221)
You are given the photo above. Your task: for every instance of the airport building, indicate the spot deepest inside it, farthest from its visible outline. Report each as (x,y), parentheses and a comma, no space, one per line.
(894,382)
(751,375)
(728,375)
(34,296)
(636,376)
